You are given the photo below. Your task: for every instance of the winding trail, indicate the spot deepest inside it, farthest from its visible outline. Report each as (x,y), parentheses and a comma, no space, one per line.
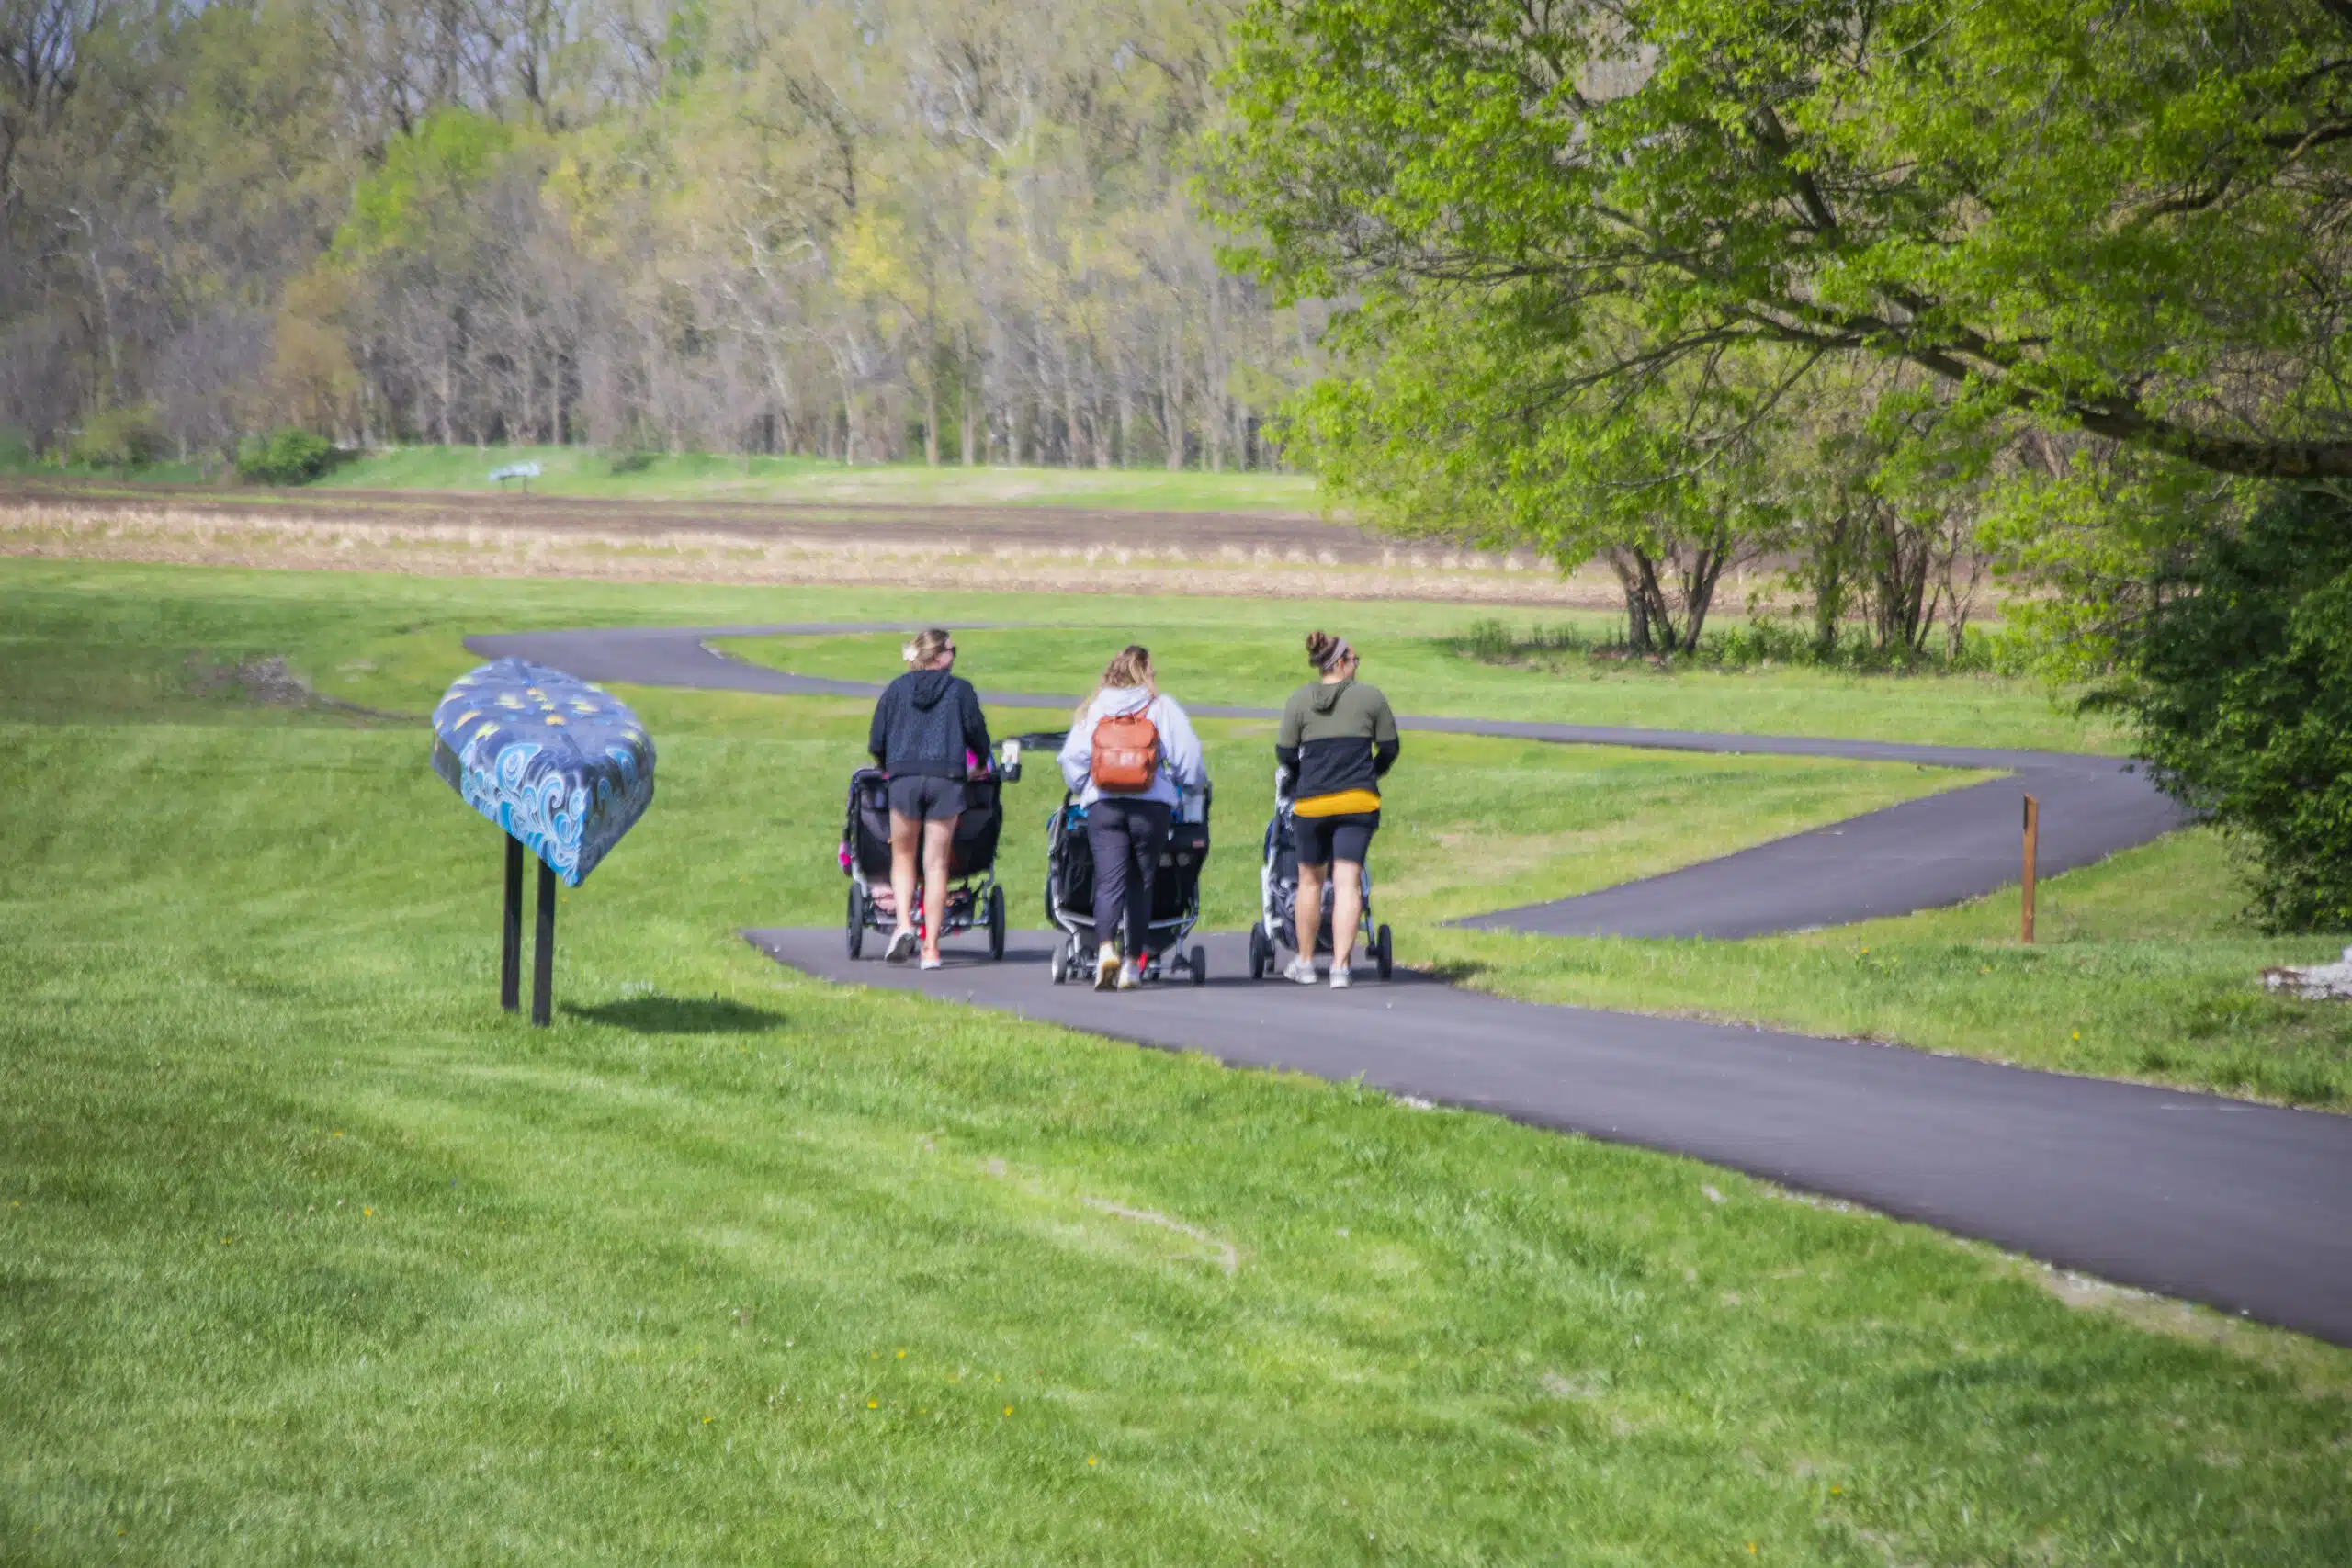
(2238,1205)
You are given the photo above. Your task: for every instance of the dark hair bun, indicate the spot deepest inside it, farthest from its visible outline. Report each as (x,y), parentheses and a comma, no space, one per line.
(1318,648)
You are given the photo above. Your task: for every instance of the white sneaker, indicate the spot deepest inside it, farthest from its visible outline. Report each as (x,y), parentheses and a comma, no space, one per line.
(1339,981)
(1130,977)
(1301,972)
(1106,969)
(928,964)
(903,943)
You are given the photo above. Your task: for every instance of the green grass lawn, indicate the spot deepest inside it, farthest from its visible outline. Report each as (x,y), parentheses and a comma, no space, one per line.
(2143,968)
(307,1255)
(704,476)
(1247,653)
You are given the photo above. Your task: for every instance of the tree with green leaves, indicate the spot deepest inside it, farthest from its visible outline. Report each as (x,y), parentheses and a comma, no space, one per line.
(2127,221)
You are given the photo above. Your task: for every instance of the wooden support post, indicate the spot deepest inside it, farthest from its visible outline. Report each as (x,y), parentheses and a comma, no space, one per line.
(2032,848)
(543,952)
(510,936)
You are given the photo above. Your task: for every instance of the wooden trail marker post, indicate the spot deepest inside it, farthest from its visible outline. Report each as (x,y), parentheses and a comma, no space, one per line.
(2032,848)
(563,770)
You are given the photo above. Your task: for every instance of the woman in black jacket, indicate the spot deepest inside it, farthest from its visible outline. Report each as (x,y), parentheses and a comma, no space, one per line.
(926,726)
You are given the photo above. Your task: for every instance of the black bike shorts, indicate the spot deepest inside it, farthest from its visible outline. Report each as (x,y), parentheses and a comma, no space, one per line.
(1322,840)
(922,798)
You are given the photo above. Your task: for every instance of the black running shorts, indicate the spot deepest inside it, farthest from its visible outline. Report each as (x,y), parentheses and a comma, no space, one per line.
(926,799)
(1322,840)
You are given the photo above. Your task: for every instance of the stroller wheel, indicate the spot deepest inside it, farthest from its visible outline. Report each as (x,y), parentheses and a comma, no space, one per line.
(1200,964)
(1057,966)
(858,909)
(1261,959)
(996,923)
(1381,957)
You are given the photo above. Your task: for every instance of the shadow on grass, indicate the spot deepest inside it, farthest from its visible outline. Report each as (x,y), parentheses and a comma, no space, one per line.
(679,1015)
(1456,971)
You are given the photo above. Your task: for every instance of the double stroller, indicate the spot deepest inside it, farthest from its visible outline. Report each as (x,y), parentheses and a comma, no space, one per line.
(1175,894)
(973,900)
(1277,927)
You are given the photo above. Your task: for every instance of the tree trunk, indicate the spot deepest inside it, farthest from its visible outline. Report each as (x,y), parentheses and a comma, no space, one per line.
(1121,368)
(1172,401)
(966,392)
(1213,377)
(931,384)
(1071,456)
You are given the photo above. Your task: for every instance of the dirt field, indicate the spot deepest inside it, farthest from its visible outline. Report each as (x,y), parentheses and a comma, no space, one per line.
(998,549)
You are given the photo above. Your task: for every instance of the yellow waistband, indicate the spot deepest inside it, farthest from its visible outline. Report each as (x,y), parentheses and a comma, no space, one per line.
(1342,804)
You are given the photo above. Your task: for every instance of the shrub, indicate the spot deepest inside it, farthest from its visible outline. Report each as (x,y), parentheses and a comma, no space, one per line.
(117,438)
(632,462)
(2240,681)
(289,456)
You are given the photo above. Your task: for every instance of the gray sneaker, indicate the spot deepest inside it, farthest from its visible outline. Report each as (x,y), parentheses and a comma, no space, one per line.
(903,943)
(1301,972)
(1339,981)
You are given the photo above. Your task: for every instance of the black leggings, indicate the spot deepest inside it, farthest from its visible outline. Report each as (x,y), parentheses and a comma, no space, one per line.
(1127,835)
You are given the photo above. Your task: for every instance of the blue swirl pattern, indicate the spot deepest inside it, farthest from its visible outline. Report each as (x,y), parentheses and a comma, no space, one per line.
(550,758)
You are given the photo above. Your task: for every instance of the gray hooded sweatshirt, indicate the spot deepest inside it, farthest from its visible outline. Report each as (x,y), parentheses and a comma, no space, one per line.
(1182,766)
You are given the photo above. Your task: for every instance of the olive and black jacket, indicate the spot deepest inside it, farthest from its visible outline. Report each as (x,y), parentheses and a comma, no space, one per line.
(1335,737)
(925,723)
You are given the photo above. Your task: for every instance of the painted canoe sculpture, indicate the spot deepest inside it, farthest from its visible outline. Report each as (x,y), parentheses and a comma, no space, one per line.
(564,769)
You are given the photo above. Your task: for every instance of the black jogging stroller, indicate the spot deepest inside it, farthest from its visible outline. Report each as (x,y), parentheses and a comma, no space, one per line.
(1175,894)
(974,899)
(1277,927)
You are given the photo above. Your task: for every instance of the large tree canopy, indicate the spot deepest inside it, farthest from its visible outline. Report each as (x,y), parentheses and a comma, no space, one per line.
(2124,219)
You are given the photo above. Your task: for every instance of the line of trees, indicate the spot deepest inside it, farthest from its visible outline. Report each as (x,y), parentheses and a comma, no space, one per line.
(864,228)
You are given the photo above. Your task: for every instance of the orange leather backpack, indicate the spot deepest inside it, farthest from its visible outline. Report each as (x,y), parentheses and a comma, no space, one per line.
(1127,755)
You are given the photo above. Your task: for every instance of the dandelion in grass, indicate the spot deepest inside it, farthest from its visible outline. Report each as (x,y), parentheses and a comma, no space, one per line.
(1090,1459)
(1008,1410)
(874,1405)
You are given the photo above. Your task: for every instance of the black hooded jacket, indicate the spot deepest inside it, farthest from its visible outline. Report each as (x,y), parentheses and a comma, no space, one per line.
(925,723)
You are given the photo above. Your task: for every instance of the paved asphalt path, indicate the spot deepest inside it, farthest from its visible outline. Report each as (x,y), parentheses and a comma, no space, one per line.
(1942,849)
(2238,1205)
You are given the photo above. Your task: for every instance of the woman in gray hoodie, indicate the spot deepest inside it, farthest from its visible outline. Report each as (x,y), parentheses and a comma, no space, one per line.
(1127,828)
